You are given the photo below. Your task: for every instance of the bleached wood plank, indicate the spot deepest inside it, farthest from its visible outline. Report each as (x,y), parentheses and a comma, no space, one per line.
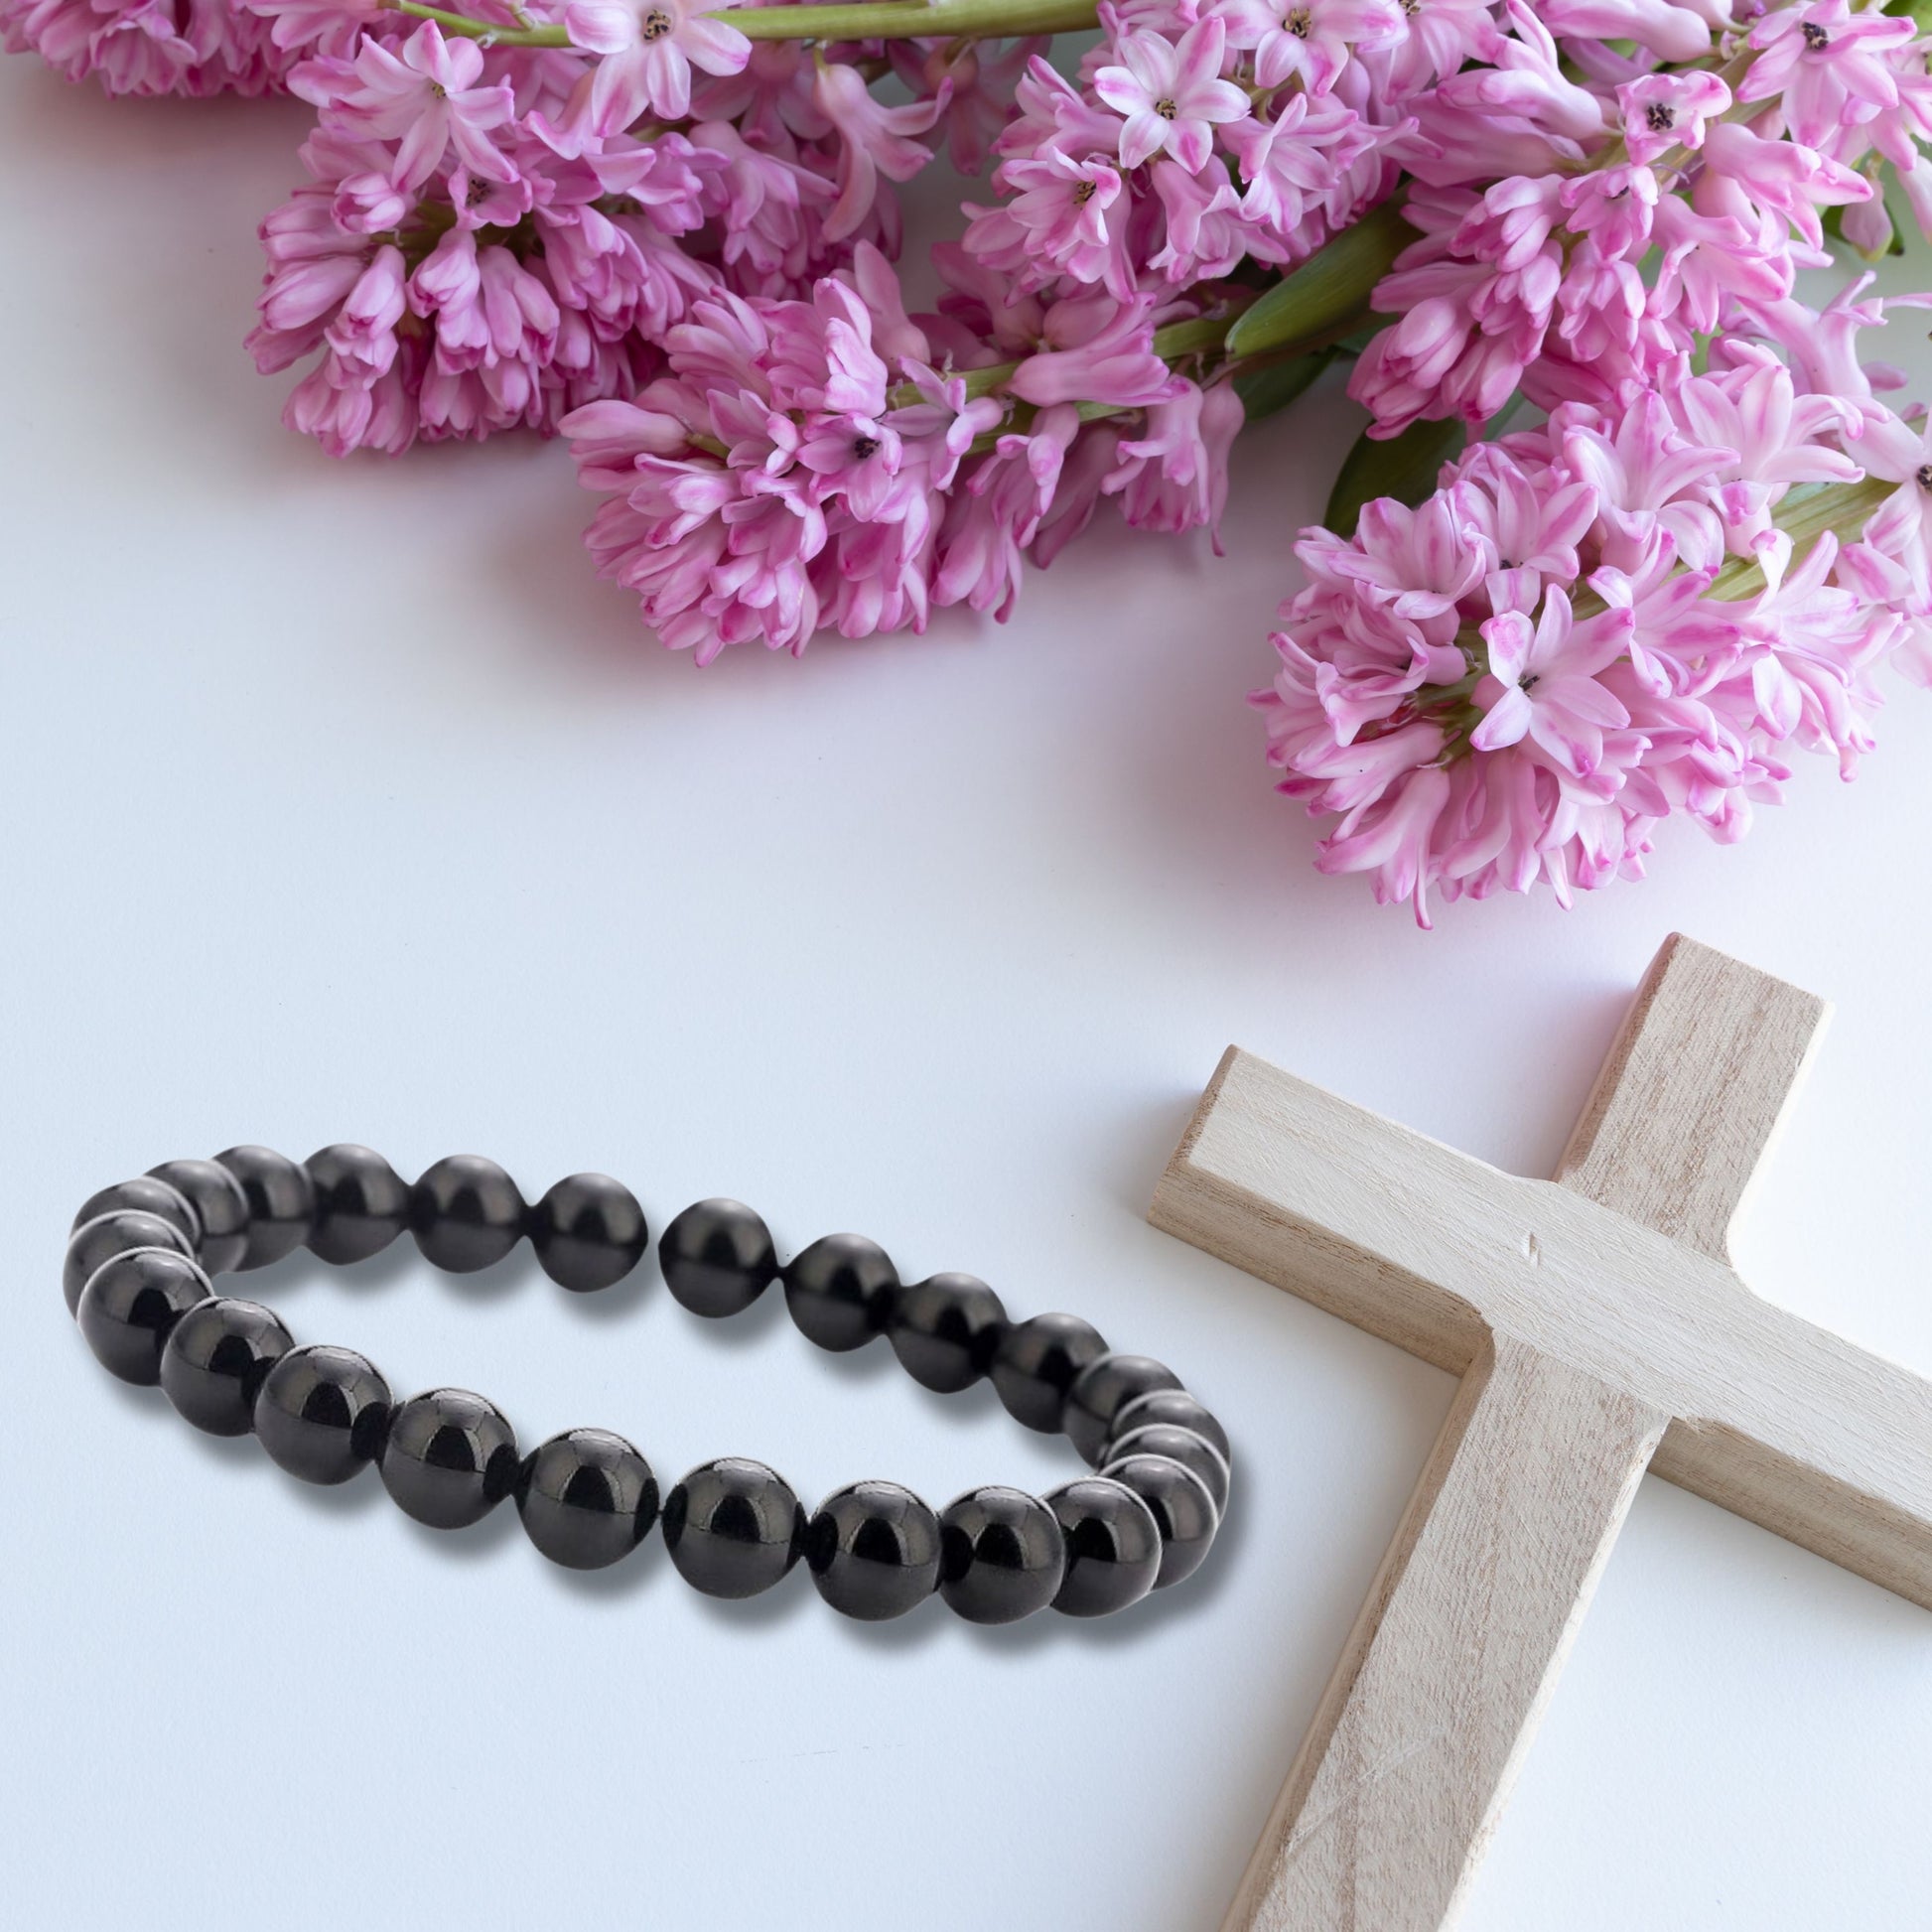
(1803,1432)
(1599,1329)
(1409,1758)
(1690,1096)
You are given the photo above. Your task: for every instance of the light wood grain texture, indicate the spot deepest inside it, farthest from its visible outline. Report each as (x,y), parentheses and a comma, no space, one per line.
(1601,1330)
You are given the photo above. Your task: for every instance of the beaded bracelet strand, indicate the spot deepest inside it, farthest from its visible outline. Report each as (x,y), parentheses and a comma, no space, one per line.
(137,1278)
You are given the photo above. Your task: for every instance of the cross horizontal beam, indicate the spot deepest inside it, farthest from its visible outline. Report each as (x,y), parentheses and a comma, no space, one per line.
(1780,1421)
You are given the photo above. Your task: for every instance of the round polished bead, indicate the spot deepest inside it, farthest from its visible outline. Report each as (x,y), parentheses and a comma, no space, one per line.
(221,1211)
(465,1213)
(217,1359)
(840,1291)
(717,1257)
(449,1458)
(945,1330)
(874,1551)
(734,1527)
(1181,1507)
(587,1498)
(130,1305)
(1036,1362)
(1174,1406)
(149,1196)
(1100,1390)
(106,1235)
(281,1203)
(322,1412)
(1001,1556)
(1180,1446)
(1113,1546)
(361,1204)
(589,1232)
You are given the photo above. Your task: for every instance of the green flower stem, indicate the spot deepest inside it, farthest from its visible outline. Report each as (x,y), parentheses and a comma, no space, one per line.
(867,20)
(1841,508)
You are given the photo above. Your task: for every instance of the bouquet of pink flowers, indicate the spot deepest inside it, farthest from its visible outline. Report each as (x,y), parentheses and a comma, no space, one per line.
(1630,522)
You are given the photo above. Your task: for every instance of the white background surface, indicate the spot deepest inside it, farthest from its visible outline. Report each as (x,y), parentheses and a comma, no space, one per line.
(341,802)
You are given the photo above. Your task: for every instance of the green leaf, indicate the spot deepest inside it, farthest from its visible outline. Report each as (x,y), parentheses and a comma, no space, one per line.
(1275,385)
(1917,11)
(1404,467)
(1330,290)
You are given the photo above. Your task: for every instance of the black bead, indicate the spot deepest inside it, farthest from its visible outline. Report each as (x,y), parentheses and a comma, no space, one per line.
(281,1203)
(149,1196)
(1100,1390)
(216,1361)
(361,1204)
(717,1257)
(1174,1406)
(587,1498)
(1036,1362)
(221,1209)
(449,1458)
(1181,1507)
(106,1235)
(1113,1546)
(589,1232)
(1180,1446)
(465,1213)
(732,1527)
(1001,1554)
(945,1330)
(131,1304)
(840,1291)
(322,1412)
(874,1549)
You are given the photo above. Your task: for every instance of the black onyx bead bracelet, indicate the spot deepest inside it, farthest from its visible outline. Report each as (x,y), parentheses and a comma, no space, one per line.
(137,1271)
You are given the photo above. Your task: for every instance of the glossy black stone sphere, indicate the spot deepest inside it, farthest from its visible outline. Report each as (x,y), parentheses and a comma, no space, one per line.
(149,1196)
(945,1330)
(1182,1509)
(717,1257)
(587,1498)
(589,1232)
(130,1305)
(1001,1556)
(1113,1546)
(1100,1390)
(840,1291)
(449,1458)
(874,1551)
(281,1203)
(361,1204)
(322,1412)
(734,1527)
(106,1235)
(1036,1362)
(465,1213)
(216,1360)
(221,1209)
(1174,1406)
(1180,1446)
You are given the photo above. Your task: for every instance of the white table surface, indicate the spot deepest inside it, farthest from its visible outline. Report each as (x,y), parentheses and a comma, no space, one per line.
(339,801)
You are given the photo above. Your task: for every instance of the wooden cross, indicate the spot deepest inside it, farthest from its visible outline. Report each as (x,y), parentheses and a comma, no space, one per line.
(1600,1330)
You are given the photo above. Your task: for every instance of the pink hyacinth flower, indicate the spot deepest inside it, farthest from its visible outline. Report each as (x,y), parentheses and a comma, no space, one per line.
(1828,64)
(1543,683)
(1312,39)
(650,48)
(1171,95)
(876,141)
(1665,111)
(425,96)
